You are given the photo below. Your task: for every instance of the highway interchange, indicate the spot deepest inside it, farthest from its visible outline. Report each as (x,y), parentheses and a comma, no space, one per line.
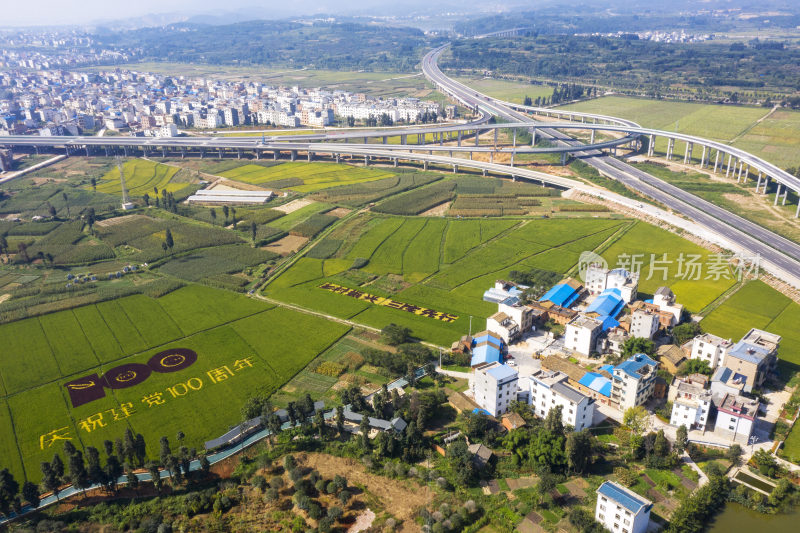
(778,254)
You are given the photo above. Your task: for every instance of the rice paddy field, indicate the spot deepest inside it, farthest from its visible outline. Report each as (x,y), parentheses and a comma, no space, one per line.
(773,136)
(242,346)
(311,176)
(757,305)
(438,264)
(141,176)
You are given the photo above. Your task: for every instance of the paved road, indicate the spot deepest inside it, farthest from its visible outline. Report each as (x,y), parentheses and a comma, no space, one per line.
(758,240)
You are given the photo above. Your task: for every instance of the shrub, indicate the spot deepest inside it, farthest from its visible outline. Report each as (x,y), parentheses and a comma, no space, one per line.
(330,368)
(313,225)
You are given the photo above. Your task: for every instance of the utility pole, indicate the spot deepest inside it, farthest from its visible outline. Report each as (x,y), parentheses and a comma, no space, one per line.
(470,325)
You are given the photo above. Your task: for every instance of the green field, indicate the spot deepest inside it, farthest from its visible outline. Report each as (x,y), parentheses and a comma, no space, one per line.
(444,265)
(510,91)
(757,305)
(776,138)
(243,346)
(141,176)
(311,176)
(649,244)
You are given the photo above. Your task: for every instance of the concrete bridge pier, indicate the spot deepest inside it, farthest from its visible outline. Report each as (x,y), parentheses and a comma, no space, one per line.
(337,158)
(797,213)
(365,140)
(441,139)
(563,158)
(87,150)
(310,155)
(451,153)
(758,184)
(395,161)
(533,137)
(275,155)
(512,159)
(104,147)
(741,169)
(183,152)
(459,137)
(385,139)
(125,149)
(404,139)
(258,154)
(703,157)
(766,184)
(514,137)
(293,155)
(483,171)
(716,162)
(424,165)
(477,137)
(366,160)
(495,136)
(455,169)
(219,151)
(591,139)
(777,194)
(202,153)
(651,146)
(728,170)
(491,157)
(785,194)
(687,155)
(670,148)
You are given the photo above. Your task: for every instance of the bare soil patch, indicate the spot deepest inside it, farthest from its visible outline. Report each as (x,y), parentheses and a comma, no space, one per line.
(288,245)
(437,210)
(224,184)
(294,205)
(402,498)
(40,181)
(4,297)
(339,212)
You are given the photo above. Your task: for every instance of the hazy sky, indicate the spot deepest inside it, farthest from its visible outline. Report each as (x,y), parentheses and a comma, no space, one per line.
(57,12)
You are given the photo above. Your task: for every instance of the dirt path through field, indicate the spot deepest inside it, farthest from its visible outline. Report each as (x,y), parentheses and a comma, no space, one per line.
(401,498)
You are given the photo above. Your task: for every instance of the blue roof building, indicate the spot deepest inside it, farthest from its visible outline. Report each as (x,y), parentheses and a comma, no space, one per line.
(563,294)
(634,381)
(503,292)
(487,347)
(621,509)
(596,382)
(606,307)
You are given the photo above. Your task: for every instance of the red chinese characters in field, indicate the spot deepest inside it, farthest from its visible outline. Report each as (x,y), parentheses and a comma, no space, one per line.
(388,302)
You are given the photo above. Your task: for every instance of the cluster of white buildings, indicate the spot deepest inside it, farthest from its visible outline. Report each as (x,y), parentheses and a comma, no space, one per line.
(57,102)
(595,322)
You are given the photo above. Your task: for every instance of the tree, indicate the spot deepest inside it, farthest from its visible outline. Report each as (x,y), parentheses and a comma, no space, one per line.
(146,198)
(661,445)
(168,240)
(93,468)
(225,211)
(681,439)
(50,482)
(4,246)
(636,345)
(394,335)
(66,202)
(319,421)
(339,420)
(128,446)
(580,450)
(695,366)
(113,471)
(57,466)
(553,422)
(213,214)
(140,449)
(364,430)
(9,488)
(253,231)
(31,494)
(155,476)
(131,478)
(77,472)
(205,465)
(734,454)
(93,181)
(460,460)
(165,451)
(90,219)
(683,333)
(52,211)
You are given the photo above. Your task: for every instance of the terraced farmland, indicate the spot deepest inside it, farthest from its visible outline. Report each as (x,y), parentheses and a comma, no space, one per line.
(141,176)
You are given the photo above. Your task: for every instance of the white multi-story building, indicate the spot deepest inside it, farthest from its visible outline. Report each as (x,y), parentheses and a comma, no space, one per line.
(665,300)
(691,406)
(633,381)
(599,279)
(495,387)
(167,130)
(550,390)
(736,417)
(621,510)
(644,323)
(581,334)
(711,349)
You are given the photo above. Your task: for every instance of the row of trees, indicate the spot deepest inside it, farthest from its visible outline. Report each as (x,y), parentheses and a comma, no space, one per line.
(92,468)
